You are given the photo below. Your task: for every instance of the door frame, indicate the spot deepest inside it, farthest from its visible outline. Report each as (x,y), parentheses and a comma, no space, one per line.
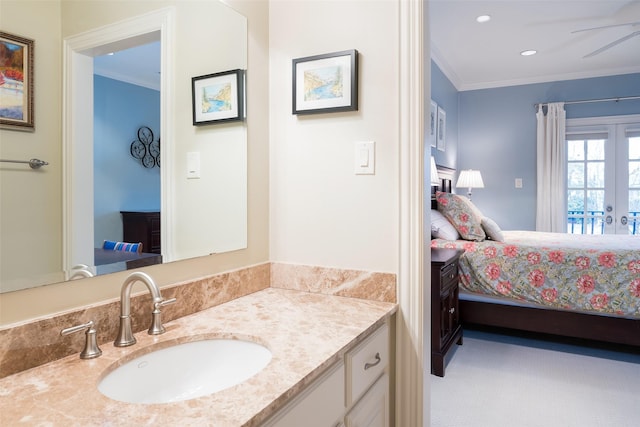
(77,126)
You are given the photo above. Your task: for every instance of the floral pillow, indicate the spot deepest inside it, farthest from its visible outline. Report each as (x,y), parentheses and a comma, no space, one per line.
(462,214)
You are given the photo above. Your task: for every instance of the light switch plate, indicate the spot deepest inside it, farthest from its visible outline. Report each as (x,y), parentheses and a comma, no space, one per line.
(518,182)
(193,165)
(364,158)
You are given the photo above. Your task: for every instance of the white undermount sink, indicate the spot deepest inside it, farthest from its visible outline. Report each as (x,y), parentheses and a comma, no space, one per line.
(185,371)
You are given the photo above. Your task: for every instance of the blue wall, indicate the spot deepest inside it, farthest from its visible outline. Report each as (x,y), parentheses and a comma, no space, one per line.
(120,181)
(497,135)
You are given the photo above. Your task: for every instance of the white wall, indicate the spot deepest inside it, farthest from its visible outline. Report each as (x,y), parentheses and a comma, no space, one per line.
(321,212)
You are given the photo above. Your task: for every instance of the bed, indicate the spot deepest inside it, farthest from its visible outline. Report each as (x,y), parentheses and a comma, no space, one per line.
(585,287)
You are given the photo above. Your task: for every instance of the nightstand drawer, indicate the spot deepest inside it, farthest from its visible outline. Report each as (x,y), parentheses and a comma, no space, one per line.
(448,276)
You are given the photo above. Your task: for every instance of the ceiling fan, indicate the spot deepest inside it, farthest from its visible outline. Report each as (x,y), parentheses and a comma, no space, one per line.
(613,43)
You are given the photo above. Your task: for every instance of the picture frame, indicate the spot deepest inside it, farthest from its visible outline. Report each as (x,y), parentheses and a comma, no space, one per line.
(433,123)
(218,97)
(326,83)
(16,82)
(441,129)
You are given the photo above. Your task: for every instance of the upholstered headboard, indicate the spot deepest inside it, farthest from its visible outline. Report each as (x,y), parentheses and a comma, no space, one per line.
(446,176)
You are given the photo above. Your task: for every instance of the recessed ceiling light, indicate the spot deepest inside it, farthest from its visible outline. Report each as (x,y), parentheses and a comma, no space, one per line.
(483,18)
(528,52)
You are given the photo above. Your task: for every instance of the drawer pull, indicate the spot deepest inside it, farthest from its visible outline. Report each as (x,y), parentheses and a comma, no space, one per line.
(452,310)
(371,365)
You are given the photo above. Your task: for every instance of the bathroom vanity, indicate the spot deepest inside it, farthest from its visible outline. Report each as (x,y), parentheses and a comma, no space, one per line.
(320,346)
(354,392)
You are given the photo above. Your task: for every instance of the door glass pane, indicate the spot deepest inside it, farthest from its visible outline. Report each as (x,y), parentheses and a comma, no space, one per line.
(595,149)
(595,174)
(576,200)
(575,205)
(634,174)
(595,202)
(576,175)
(575,150)
(594,218)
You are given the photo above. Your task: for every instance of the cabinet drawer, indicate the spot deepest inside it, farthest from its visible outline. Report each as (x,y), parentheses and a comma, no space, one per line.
(373,409)
(321,405)
(366,363)
(448,276)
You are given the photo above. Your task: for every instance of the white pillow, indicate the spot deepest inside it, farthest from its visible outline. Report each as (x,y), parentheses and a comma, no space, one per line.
(492,229)
(441,228)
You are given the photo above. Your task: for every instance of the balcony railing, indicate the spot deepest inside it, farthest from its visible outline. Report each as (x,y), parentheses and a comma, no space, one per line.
(593,222)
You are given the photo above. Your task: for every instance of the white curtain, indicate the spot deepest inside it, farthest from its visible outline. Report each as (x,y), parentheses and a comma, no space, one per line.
(551,211)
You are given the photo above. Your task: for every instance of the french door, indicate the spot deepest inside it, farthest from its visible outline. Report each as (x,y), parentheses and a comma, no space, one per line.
(603,175)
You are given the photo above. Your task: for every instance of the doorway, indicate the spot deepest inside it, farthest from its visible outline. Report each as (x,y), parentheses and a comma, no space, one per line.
(78,124)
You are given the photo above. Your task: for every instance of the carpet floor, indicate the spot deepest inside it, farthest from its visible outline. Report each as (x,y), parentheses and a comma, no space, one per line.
(496,380)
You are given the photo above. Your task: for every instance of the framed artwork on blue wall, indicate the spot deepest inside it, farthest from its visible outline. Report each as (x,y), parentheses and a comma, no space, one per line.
(433,120)
(218,97)
(441,129)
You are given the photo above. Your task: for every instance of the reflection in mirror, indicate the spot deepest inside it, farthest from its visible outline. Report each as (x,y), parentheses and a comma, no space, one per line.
(53,220)
(126,158)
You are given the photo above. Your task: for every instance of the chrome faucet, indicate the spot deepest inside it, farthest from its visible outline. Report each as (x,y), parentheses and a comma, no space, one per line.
(125,335)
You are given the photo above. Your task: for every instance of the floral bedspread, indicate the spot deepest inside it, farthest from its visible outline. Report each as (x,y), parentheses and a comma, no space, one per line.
(555,270)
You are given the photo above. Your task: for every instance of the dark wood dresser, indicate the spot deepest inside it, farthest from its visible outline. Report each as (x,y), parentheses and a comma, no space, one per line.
(142,226)
(445,318)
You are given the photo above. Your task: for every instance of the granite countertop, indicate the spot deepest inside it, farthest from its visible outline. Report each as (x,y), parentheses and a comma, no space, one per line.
(305,332)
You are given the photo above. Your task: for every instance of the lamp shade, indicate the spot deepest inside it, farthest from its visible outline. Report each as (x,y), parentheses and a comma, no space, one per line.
(434,172)
(470,179)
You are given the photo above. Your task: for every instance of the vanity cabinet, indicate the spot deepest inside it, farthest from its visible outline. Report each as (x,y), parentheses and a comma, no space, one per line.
(373,409)
(144,227)
(354,392)
(320,405)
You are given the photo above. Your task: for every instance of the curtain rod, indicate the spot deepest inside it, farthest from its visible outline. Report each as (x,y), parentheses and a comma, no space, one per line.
(588,101)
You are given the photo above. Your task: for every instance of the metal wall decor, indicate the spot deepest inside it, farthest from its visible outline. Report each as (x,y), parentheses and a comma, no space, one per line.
(145,148)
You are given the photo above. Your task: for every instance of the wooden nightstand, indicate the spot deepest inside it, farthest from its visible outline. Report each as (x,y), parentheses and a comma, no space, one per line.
(445,319)
(144,227)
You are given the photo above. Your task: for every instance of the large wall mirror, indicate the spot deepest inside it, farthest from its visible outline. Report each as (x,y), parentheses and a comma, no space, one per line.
(50,220)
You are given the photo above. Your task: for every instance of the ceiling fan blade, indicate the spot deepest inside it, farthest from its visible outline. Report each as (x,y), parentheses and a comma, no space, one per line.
(606,26)
(612,44)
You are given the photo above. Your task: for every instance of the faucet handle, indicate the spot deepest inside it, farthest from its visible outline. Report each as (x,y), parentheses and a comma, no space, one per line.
(91,349)
(164,302)
(157,327)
